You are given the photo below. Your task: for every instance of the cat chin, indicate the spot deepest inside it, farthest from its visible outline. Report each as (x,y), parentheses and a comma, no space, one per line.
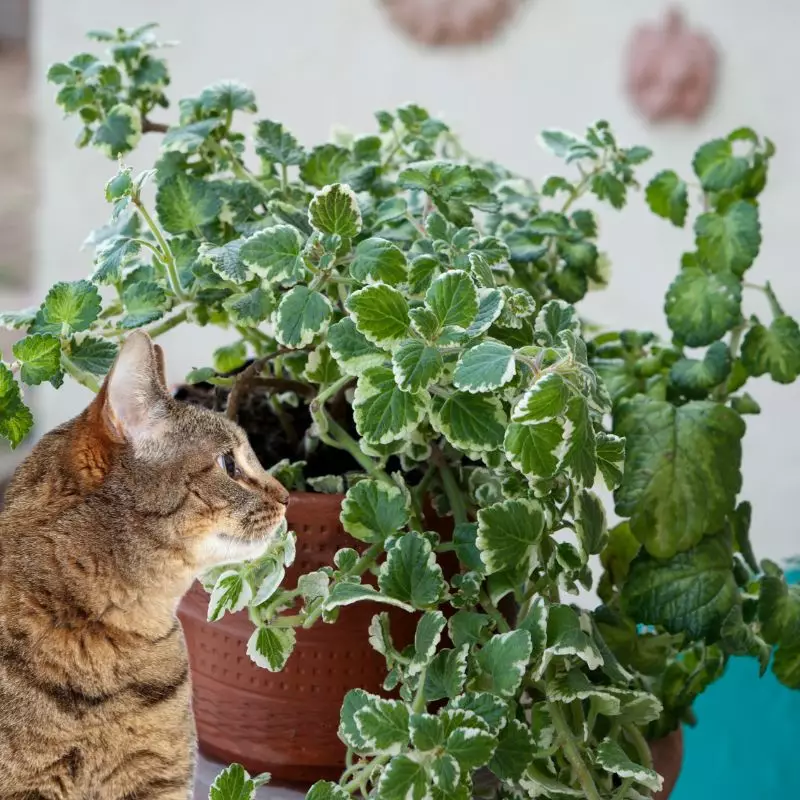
(222,549)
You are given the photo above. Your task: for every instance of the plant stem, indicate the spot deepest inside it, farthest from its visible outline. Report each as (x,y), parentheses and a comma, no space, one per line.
(318,402)
(166,253)
(640,743)
(777,309)
(168,324)
(494,612)
(451,487)
(348,443)
(81,376)
(418,706)
(572,752)
(244,378)
(623,790)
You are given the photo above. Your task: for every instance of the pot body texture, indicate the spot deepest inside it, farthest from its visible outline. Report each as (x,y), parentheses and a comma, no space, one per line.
(285,723)
(667,760)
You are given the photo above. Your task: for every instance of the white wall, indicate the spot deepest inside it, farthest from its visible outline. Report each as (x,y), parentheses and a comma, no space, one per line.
(315,63)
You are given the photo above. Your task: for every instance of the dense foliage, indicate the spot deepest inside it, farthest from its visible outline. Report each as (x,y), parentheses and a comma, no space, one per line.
(419,304)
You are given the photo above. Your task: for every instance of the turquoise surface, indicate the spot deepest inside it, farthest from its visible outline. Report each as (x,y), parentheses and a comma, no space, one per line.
(747,740)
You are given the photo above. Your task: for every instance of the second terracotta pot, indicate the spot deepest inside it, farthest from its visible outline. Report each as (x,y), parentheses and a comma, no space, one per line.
(286,722)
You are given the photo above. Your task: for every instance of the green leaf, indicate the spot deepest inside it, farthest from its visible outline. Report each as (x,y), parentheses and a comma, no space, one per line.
(230,357)
(558,142)
(426,640)
(119,132)
(786,665)
(276,144)
(682,471)
(566,637)
(426,730)
(403,779)
(301,315)
(514,751)
(696,378)
(410,572)
(453,298)
(144,302)
(231,593)
(717,167)
(471,747)
(225,260)
(556,317)
(353,702)
(470,422)
(446,674)
(422,271)
(729,240)
(327,790)
(612,758)
(466,627)
(779,609)
(609,187)
(701,306)
(190,138)
(380,313)
(352,351)
(382,411)
(40,358)
(489,365)
(270,648)
(345,594)
(534,449)
(489,709)
(93,355)
(73,305)
(775,350)
(546,399)
(184,203)
(416,365)
(327,163)
(383,725)
(378,259)
(502,662)
(225,96)
(508,534)
(489,309)
(610,458)
(667,196)
(233,783)
(590,522)
(251,308)
(334,210)
(275,254)
(16,419)
(371,511)
(738,638)
(16,320)
(580,457)
(112,257)
(690,593)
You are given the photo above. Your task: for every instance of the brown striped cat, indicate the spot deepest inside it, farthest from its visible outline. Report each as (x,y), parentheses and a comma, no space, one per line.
(106,524)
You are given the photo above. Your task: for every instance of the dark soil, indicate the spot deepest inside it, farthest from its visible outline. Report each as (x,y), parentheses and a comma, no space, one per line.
(267,436)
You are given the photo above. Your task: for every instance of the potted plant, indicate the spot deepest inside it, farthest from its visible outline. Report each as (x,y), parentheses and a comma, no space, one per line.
(394,300)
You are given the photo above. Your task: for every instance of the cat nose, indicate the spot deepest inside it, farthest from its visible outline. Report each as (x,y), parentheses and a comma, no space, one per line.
(283,498)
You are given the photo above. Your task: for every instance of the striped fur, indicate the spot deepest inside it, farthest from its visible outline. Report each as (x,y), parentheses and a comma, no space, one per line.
(105,526)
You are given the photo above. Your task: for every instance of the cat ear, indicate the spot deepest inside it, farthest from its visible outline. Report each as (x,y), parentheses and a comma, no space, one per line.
(135,395)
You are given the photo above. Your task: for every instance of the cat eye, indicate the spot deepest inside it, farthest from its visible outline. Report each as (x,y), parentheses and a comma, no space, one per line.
(228,463)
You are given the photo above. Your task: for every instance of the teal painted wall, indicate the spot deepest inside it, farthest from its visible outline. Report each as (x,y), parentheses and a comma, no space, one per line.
(746,743)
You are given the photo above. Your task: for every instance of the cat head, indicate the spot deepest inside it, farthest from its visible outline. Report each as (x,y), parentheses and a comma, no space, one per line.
(148,465)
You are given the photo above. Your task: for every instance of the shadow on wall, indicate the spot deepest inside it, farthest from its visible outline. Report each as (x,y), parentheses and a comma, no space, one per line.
(727,754)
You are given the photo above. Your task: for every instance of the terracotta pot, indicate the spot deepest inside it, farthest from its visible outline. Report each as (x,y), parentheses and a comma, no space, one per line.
(285,723)
(667,760)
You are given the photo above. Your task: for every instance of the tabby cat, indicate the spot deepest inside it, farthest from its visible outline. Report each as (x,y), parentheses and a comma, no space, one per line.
(105,526)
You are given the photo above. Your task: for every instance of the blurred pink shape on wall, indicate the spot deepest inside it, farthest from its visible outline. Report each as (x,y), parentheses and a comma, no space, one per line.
(443,22)
(671,69)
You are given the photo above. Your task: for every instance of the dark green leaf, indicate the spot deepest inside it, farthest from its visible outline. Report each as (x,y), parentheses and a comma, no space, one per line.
(667,196)
(775,350)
